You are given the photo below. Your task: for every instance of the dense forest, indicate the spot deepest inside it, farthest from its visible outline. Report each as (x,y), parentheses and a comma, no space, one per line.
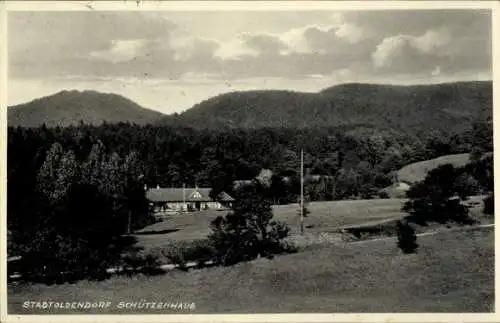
(67,108)
(407,109)
(357,160)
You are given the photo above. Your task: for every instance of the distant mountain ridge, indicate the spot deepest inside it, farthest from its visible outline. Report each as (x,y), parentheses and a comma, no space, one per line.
(446,106)
(67,108)
(449,106)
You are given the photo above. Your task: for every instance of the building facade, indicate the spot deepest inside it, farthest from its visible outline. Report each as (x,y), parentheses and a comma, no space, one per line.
(173,200)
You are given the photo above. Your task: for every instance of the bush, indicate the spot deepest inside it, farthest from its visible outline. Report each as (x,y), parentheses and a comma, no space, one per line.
(176,255)
(131,264)
(489,205)
(368,193)
(181,253)
(151,266)
(148,265)
(407,239)
(383,195)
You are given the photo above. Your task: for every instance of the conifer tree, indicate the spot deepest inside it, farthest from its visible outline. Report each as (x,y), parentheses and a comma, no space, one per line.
(407,239)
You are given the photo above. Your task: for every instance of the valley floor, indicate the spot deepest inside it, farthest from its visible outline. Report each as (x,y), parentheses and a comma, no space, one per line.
(322,224)
(452,272)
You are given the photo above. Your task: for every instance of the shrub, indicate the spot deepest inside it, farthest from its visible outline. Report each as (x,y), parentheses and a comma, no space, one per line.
(407,239)
(305,211)
(489,205)
(176,255)
(181,253)
(383,195)
(131,263)
(200,251)
(148,265)
(368,193)
(151,266)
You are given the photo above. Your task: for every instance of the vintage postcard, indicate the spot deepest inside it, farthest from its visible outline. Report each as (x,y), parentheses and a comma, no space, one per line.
(248,161)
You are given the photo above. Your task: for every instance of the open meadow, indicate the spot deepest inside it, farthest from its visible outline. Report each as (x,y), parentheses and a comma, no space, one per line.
(452,272)
(325,218)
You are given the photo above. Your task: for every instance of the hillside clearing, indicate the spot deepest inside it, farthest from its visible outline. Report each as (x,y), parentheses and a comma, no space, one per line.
(372,277)
(416,172)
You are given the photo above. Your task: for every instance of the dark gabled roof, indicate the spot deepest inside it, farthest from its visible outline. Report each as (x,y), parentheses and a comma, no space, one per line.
(242,182)
(224,197)
(184,194)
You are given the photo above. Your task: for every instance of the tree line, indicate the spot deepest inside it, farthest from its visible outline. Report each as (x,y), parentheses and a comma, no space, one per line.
(358,159)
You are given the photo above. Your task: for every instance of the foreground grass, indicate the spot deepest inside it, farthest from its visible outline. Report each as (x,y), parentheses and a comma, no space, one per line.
(452,272)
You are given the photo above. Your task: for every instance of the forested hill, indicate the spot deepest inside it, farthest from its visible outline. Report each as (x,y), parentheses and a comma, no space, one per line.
(72,107)
(447,106)
(450,107)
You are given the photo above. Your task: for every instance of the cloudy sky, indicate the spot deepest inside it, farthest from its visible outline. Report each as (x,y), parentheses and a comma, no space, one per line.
(169,61)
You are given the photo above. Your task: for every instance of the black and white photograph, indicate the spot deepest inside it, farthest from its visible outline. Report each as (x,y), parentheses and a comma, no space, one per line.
(247,158)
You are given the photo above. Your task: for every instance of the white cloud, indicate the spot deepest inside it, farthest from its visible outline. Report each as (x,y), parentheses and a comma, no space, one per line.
(295,40)
(351,32)
(120,50)
(306,39)
(187,46)
(292,45)
(322,38)
(404,52)
(389,49)
(436,71)
(433,41)
(235,48)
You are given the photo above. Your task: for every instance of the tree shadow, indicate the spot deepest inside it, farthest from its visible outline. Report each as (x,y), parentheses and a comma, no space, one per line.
(154,232)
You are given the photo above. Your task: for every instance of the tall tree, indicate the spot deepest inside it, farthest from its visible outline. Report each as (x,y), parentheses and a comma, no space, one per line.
(248,231)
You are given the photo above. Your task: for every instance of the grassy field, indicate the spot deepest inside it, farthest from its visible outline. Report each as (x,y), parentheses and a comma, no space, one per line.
(324,217)
(417,171)
(452,272)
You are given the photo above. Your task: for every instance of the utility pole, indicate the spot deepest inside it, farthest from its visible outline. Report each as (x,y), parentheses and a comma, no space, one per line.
(129,225)
(302,191)
(183,196)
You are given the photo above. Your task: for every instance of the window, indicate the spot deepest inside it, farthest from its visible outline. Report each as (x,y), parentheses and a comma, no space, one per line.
(196,195)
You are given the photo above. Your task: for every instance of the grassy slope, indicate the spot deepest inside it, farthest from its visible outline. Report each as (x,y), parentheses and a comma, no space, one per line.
(417,171)
(452,272)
